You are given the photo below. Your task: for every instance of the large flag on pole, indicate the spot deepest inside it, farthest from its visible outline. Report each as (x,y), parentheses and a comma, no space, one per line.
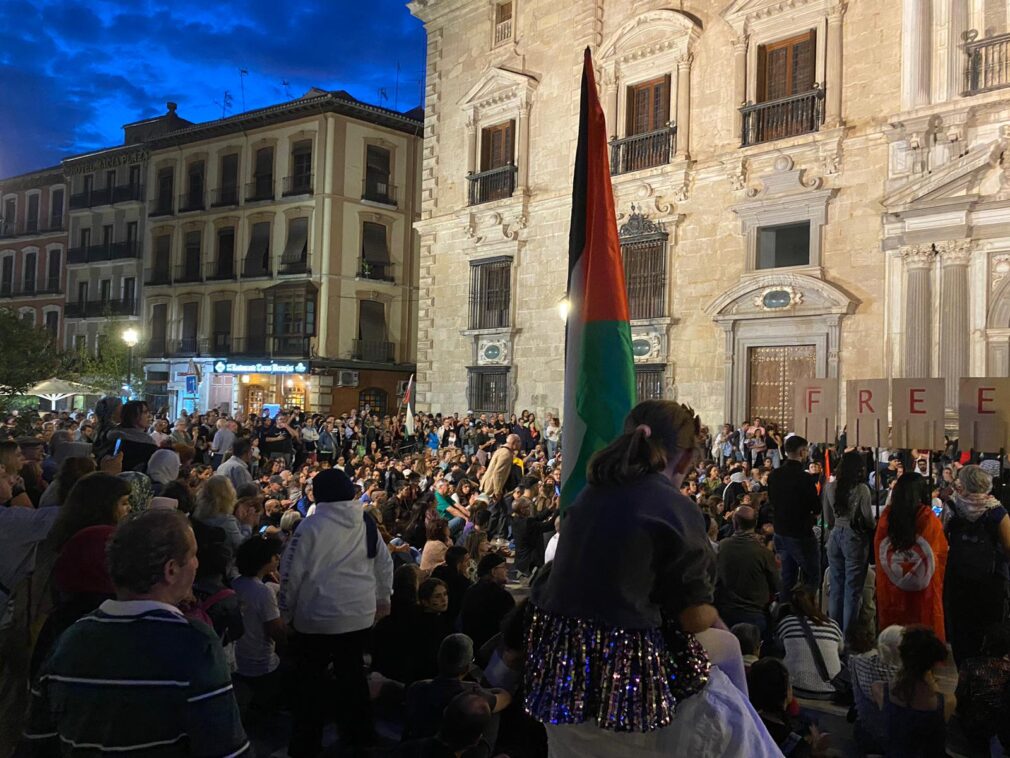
(407,398)
(599,367)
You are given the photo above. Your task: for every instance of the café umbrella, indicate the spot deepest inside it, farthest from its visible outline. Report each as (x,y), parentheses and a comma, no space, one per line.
(55,390)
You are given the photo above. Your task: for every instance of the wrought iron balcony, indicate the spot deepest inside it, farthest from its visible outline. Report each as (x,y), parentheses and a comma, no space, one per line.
(191,201)
(161,206)
(119,193)
(220,343)
(221,270)
(290,345)
(96,308)
(188,272)
(51,286)
(494,184)
(260,189)
(30,227)
(373,351)
(156,348)
(98,253)
(188,347)
(376,191)
(988,63)
(157,276)
(294,268)
(128,193)
(377,272)
(299,184)
(785,117)
(224,196)
(250,345)
(641,151)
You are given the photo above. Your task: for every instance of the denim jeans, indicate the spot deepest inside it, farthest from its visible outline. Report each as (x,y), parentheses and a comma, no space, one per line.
(456,524)
(796,553)
(848,561)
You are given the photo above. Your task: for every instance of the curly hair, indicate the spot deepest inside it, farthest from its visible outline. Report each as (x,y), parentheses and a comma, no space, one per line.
(141,546)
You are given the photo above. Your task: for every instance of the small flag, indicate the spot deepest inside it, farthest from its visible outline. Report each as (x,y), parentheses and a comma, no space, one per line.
(599,366)
(407,401)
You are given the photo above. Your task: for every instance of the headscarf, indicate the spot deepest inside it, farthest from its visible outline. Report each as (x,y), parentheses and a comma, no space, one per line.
(163,467)
(141,490)
(972,498)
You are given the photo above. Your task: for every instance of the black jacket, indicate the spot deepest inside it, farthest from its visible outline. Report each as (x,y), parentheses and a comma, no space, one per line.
(792,494)
(484,606)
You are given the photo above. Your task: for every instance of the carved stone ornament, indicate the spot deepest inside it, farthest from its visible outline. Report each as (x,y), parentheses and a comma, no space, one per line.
(640,226)
(954,252)
(492,352)
(493,226)
(918,256)
(1000,269)
(785,178)
(647,347)
(736,172)
(778,298)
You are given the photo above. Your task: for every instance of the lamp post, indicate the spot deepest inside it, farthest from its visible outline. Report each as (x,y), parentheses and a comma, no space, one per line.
(130,337)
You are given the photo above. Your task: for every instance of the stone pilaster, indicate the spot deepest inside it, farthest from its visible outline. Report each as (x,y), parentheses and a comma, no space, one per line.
(916,52)
(918,309)
(739,75)
(955,330)
(684,106)
(833,72)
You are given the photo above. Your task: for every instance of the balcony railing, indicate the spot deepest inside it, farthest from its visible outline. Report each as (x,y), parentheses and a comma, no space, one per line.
(294,268)
(224,196)
(120,193)
(30,289)
(161,206)
(98,253)
(261,189)
(373,351)
(378,192)
(299,184)
(495,184)
(220,343)
(377,272)
(25,228)
(251,345)
(221,270)
(641,151)
(156,348)
(191,201)
(95,308)
(785,117)
(188,272)
(188,346)
(988,63)
(502,31)
(128,193)
(290,345)
(157,276)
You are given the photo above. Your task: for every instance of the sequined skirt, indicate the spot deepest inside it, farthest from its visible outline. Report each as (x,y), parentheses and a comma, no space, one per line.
(626,679)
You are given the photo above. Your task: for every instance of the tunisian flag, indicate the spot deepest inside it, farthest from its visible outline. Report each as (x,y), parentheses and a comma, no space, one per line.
(599,367)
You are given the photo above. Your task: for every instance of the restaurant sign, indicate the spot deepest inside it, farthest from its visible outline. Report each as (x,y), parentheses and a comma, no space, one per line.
(227,366)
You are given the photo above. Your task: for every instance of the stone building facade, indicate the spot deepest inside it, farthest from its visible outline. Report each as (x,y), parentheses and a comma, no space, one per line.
(33,248)
(804,188)
(279,259)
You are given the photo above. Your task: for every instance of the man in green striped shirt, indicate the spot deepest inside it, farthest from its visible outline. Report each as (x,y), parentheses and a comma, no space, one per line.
(136,676)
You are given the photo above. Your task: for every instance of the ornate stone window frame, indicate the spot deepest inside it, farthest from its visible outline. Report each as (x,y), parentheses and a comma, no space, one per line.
(500,95)
(786,197)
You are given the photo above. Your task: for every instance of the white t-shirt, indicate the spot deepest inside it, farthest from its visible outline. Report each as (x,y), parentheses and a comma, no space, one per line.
(254,650)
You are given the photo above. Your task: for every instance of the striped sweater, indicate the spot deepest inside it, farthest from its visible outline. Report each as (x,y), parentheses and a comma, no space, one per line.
(799,659)
(135,677)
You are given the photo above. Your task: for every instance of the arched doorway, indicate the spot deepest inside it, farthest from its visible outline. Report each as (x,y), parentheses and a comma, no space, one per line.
(997,332)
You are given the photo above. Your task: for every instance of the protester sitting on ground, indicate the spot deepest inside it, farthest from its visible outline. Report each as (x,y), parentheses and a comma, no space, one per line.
(96,499)
(256,659)
(976,580)
(438,542)
(431,626)
(454,573)
(915,711)
(749,637)
(528,533)
(460,732)
(865,670)
(392,639)
(771,694)
(336,577)
(427,699)
(215,506)
(486,602)
(983,692)
(746,575)
(181,695)
(813,646)
(911,558)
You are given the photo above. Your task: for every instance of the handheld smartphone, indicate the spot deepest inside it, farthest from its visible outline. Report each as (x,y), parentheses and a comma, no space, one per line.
(938,510)
(115,450)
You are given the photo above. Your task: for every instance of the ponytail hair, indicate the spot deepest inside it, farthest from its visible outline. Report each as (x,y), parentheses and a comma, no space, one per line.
(654,432)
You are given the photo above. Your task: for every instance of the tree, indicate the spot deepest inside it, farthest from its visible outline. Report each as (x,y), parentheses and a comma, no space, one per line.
(108,369)
(29,356)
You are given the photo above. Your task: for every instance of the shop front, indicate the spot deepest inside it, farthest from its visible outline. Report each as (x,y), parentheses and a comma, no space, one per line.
(266,383)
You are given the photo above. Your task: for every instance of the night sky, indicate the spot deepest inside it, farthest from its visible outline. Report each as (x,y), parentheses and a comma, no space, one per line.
(72,72)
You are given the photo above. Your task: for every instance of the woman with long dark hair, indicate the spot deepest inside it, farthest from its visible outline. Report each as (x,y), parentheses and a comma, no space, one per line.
(612,664)
(911,553)
(849,543)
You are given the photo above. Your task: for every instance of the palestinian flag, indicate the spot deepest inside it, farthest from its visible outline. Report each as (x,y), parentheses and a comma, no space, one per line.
(599,368)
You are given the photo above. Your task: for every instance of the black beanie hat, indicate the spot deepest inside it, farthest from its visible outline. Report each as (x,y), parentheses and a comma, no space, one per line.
(332,486)
(489,562)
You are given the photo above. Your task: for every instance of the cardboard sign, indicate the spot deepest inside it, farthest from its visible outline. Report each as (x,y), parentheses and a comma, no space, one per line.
(917,413)
(984,414)
(815,411)
(866,405)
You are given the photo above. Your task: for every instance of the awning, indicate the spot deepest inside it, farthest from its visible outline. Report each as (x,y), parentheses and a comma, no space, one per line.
(373,244)
(372,321)
(57,389)
(257,259)
(296,249)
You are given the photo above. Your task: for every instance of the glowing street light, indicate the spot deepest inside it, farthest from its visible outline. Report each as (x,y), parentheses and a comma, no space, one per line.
(131,337)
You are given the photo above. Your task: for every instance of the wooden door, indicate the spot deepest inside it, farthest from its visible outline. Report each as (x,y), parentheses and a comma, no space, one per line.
(772,375)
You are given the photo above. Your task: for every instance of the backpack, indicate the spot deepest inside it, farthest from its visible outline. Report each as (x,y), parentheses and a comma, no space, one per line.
(201,611)
(974,553)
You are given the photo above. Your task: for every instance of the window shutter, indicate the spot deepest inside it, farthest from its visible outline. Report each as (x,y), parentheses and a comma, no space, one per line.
(804,63)
(373,244)
(371,321)
(661,103)
(222,316)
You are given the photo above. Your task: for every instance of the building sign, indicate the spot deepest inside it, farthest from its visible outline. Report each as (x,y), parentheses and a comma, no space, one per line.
(224,366)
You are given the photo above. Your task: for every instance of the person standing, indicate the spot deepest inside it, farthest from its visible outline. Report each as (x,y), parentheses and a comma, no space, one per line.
(336,579)
(236,468)
(792,495)
(167,687)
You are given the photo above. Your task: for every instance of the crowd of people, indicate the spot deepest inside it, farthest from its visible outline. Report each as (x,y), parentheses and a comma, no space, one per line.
(265,573)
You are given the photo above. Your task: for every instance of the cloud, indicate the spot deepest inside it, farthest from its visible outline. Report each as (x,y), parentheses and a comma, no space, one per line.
(71,74)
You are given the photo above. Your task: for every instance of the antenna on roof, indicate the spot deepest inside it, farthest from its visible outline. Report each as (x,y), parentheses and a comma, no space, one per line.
(225,103)
(383,97)
(287,87)
(242,74)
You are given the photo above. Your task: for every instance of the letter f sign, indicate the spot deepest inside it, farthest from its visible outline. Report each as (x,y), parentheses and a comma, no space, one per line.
(813,398)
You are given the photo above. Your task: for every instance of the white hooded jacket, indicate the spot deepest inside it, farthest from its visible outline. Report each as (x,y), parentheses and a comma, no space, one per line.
(329,585)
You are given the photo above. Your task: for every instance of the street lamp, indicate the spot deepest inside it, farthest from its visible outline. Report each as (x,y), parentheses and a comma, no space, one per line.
(131,337)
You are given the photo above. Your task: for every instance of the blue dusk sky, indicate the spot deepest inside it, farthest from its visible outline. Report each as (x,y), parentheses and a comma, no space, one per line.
(72,72)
